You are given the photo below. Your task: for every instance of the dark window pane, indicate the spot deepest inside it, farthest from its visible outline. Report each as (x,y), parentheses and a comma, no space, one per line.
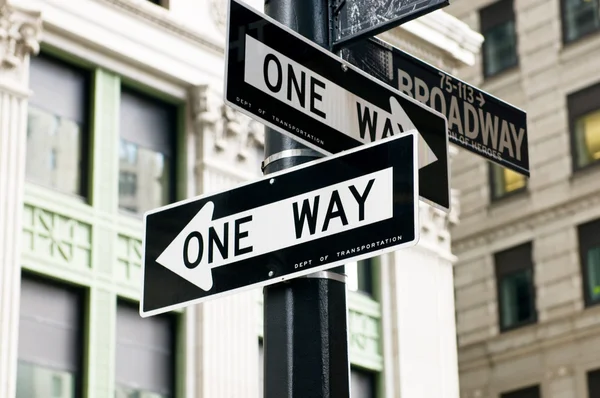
(145,355)
(146,155)
(589,249)
(362,384)
(500,48)
(530,392)
(516,297)
(593,273)
(516,290)
(57,126)
(50,364)
(360,276)
(365,276)
(593,381)
(580,17)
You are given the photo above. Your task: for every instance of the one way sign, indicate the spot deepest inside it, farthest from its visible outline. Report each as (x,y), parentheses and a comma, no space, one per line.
(289,83)
(357,204)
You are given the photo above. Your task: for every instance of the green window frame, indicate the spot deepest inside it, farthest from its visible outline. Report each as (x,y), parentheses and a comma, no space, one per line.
(589,252)
(90,243)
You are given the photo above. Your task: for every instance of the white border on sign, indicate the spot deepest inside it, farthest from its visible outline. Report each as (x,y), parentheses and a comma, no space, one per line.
(417,227)
(342,62)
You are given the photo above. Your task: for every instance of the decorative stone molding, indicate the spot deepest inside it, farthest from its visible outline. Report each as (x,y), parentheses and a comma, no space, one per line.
(20,34)
(559,372)
(218,12)
(508,347)
(511,227)
(161,18)
(418,48)
(56,237)
(229,129)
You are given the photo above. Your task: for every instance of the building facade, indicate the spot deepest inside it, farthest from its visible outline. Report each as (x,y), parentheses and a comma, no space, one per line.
(526,282)
(109,108)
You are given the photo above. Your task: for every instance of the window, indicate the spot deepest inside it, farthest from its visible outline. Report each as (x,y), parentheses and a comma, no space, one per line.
(584,120)
(146,152)
(145,354)
(593,382)
(516,291)
(500,37)
(57,125)
(360,276)
(505,182)
(589,252)
(362,383)
(579,18)
(49,367)
(529,392)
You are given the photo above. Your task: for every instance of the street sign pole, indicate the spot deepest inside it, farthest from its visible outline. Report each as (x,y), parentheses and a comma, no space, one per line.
(305,319)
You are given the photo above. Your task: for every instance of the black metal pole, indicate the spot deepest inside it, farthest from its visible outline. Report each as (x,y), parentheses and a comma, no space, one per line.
(305,319)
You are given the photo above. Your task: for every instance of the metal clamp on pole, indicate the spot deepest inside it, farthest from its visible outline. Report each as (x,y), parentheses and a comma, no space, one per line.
(334,276)
(289,153)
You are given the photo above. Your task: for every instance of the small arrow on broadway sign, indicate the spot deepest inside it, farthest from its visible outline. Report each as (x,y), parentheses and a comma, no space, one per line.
(292,85)
(315,216)
(477,121)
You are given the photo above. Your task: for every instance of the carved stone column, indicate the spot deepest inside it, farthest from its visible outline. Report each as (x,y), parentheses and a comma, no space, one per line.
(226,344)
(19,37)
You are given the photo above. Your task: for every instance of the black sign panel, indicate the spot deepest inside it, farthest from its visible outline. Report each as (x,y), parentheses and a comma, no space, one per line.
(477,121)
(296,87)
(361,19)
(346,207)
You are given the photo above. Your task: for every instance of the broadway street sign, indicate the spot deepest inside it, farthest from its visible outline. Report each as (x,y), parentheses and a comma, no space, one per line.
(346,207)
(294,86)
(360,19)
(478,121)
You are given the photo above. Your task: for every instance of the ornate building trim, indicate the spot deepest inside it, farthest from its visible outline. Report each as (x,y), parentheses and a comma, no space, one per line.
(229,130)
(161,18)
(541,217)
(20,34)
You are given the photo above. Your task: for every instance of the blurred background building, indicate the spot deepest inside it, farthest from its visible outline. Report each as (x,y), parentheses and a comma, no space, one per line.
(109,108)
(528,276)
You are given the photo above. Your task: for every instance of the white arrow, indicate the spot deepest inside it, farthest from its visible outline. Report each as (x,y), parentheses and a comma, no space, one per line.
(481,99)
(204,243)
(296,85)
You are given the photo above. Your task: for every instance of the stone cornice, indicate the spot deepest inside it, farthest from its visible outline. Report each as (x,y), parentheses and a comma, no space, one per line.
(506,227)
(161,18)
(511,345)
(438,38)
